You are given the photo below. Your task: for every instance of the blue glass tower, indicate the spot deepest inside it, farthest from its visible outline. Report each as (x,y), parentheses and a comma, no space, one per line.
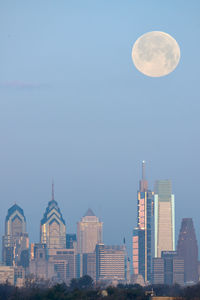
(142,234)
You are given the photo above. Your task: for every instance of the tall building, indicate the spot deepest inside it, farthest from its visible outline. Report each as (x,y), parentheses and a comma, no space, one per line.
(188,249)
(15,241)
(89,233)
(52,226)
(164,217)
(142,234)
(110,263)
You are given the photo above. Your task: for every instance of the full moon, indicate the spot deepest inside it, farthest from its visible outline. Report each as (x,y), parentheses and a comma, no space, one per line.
(156,54)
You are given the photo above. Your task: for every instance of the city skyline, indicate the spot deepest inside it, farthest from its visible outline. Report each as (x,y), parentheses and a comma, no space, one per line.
(143,187)
(74,107)
(61,256)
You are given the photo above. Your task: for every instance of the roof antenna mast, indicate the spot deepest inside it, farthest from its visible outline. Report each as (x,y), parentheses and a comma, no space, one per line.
(53,189)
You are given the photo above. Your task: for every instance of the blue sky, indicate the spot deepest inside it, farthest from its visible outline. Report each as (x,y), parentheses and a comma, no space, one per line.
(74,108)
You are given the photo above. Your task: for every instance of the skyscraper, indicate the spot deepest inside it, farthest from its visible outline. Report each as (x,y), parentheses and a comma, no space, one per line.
(52,226)
(15,240)
(188,249)
(164,217)
(142,234)
(89,233)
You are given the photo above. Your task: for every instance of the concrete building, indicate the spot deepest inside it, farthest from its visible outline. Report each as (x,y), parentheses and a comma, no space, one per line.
(89,233)
(188,249)
(15,246)
(52,226)
(110,263)
(164,217)
(142,234)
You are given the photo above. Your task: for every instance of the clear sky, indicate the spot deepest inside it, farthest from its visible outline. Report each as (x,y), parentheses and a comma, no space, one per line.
(74,108)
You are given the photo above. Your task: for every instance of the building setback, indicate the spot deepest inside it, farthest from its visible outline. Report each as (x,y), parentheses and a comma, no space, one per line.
(188,249)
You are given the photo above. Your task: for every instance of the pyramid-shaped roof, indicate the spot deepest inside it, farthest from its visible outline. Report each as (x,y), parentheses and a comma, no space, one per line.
(89,213)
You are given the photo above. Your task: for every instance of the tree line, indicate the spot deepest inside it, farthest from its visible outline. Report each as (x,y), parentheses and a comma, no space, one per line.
(85,289)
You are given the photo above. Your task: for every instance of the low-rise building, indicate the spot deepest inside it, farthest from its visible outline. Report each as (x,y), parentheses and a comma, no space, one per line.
(7,274)
(110,263)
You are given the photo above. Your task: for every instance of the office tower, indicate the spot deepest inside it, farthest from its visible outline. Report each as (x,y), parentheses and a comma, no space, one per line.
(52,226)
(89,233)
(110,263)
(188,249)
(164,217)
(15,240)
(168,269)
(71,240)
(142,234)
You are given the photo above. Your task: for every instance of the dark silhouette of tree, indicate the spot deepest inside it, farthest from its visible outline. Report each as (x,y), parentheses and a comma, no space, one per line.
(85,282)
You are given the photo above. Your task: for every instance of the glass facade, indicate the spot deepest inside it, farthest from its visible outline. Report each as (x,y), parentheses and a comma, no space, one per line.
(142,234)
(188,249)
(15,241)
(52,226)
(164,217)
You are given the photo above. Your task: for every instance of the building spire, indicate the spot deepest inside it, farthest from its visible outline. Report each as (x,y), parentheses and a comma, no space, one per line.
(143,181)
(52,190)
(143,169)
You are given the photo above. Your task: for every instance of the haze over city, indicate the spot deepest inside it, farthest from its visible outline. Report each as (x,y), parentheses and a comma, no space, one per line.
(75,109)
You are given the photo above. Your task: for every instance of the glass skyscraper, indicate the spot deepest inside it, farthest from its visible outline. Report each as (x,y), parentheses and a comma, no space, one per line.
(164,217)
(142,234)
(188,249)
(15,240)
(52,226)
